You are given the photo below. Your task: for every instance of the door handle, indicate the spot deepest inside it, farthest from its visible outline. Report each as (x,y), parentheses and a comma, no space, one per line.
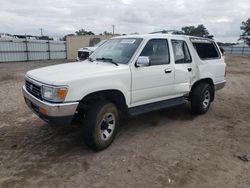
(189,69)
(168,71)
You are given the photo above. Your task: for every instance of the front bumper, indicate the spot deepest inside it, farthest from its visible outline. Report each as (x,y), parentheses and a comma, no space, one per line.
(54,113)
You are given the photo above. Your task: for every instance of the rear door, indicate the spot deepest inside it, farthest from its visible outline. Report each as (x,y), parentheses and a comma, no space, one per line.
(184,69)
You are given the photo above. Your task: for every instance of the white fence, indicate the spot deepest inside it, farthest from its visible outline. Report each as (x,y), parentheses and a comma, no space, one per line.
(29,50)
(240,50)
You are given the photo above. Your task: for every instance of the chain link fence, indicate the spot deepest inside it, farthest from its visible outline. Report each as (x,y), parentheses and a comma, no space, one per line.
(239,50)
(29,50)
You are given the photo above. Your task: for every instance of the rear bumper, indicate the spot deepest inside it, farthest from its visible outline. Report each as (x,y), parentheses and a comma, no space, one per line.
(55,113)
(219,85)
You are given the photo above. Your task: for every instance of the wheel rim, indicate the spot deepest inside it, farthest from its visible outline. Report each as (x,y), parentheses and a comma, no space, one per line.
(107,126)
(206,100)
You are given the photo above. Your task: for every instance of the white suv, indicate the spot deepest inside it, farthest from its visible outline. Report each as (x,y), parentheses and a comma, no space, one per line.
(128,74)
(6,36)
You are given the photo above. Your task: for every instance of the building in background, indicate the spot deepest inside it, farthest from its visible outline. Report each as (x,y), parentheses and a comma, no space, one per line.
(76,42)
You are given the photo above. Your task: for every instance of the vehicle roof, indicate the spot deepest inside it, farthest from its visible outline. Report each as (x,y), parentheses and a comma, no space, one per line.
(172,36)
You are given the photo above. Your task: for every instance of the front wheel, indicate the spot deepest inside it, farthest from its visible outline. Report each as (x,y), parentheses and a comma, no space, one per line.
(101,125)
(201,98)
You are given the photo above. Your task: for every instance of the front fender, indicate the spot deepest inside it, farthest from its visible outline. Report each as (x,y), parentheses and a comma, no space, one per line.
(79,89)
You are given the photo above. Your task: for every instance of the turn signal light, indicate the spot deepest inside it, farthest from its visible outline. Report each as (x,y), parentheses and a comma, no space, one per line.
(61,93)
(42,110)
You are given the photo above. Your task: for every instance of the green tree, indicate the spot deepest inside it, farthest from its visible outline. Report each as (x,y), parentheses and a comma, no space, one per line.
(64,38)
(107,33)
(245,27)
(199,31)
(84,32)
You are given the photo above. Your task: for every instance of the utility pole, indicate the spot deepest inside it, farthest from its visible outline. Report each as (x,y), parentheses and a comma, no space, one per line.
(41,31)
(113,29)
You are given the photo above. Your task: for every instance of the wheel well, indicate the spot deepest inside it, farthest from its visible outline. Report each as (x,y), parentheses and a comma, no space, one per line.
(114,96)
(205,80)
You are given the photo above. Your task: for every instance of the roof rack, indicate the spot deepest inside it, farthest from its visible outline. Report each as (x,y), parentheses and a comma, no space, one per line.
(175,32)
(208,36)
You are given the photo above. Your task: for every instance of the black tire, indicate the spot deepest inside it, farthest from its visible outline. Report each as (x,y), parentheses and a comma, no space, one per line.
(201,98)
(99,129)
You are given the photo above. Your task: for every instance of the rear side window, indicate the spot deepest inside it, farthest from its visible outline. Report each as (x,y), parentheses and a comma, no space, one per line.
(206,49)
(181,52)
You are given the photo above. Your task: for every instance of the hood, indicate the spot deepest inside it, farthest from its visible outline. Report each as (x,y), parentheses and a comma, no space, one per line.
(67,72)
(88,49)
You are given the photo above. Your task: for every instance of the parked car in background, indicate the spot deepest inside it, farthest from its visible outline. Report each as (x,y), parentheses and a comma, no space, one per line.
(83,53)
(6,36)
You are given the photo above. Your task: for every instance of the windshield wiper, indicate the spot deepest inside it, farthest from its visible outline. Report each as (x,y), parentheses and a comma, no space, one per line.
(107,59)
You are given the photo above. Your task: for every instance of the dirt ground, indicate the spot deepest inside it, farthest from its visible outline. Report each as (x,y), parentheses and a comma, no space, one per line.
(168,148)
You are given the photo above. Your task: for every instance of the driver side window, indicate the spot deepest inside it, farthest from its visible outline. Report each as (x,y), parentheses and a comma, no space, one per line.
(157,51)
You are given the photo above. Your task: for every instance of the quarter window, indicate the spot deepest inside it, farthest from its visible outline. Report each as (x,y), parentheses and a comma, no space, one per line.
(181,52)
(157,51)
(205,49)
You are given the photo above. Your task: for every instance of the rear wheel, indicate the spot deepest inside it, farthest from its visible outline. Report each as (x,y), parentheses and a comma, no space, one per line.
(100,125)
(201,98)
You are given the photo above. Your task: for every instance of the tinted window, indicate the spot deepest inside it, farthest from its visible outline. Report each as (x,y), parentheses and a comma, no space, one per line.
(181,52)
(206,50)
(157,51)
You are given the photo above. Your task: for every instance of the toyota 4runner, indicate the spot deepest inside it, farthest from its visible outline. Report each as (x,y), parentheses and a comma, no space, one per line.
(128,74)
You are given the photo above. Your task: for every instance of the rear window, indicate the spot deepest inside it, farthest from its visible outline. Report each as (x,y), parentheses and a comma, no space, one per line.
(206,49)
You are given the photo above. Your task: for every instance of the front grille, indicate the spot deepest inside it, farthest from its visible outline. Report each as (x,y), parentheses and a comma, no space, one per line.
(33,89)
(83,55)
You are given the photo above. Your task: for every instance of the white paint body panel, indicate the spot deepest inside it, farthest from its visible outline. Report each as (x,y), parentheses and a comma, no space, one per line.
(151,84)
(83,78)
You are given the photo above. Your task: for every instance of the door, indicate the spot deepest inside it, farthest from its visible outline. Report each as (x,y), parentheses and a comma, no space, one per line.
(154,82)
(184,69)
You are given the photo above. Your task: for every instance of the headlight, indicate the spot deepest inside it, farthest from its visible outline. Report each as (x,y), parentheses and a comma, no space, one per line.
(54,94)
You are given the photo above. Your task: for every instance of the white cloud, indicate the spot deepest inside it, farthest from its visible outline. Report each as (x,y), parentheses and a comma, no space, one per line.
(127,1)
(59,17)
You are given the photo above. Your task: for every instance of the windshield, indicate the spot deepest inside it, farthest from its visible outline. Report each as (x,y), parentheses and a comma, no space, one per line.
(118,50)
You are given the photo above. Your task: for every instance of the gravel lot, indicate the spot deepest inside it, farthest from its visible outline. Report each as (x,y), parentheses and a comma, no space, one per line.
(168,148)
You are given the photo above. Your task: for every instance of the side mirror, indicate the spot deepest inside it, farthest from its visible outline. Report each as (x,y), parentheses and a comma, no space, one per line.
(142,61)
